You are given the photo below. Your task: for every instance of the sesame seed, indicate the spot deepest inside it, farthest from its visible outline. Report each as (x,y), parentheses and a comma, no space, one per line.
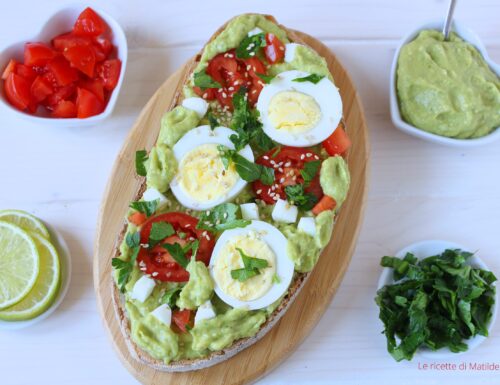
(302,157)
(204,233)
(231,89)
(265,157)
(258,191)
(273,187)
(276,197)
(316,157)
(288,164)
(254,91)
(155,273)
(207,236)
(249,67)
(224,95)
(309,154)
(294,177)
(189,224)
(205,95)
(272,162)
(280,169)
(282,180)
(229,73)
(252,53)
(282,48)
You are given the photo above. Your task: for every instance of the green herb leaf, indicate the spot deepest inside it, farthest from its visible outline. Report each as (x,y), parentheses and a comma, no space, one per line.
(276,152)
(160,231)
(177,253)
(140,157)
(276,279)
(250,171)
(212,120)
(226,155)
(296,195)
(125,268)
(309,171)
(250,45)
(222,217)
(243,274)
(133,240)
(145,207)
(170,297)
(265,78)
(203,80)
(313,78)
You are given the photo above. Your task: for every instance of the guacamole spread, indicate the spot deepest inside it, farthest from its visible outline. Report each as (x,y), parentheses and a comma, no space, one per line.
(155,307)
(447,88)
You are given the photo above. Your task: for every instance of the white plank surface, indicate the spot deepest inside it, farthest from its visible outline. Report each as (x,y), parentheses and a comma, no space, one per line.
(418,190)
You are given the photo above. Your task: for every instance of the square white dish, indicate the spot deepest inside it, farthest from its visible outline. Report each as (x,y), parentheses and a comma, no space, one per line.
(469,36)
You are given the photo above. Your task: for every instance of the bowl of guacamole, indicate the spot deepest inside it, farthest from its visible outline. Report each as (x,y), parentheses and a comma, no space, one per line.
(446,92)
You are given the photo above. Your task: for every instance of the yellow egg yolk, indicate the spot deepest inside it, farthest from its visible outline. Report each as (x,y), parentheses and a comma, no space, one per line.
(202,175)
(294,112)
(230,259)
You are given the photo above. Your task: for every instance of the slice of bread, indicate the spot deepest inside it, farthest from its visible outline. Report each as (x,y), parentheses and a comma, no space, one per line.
(219,356)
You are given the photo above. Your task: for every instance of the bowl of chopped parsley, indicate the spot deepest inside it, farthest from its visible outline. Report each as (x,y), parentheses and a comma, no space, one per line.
(435,299)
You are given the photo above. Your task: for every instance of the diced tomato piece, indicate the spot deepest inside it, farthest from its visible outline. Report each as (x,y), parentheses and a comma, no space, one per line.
(274,50)
(89,23)
(69,40)
(41,88)
(88,104)
(93,85)
(11,67)
(207,94)
(222,65)
(338,142)
(104,44)
(224,98)
(61,93)
(26,72)
(38,54)
(62,71)
(17,90)
(254,92)
(99,54)
(64,109)
(109,72)
(181,319)
(81,57)
(325,203)
(254,66)
(137,218)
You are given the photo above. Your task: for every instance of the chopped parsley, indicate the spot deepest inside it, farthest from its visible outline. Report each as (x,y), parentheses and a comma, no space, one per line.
(222,217)
(178,252)
(303,200)
(160,231)
(313,78)
(123,267)
(145,207)
(250,45)
(212,120)
(309,171)
(436,302)
(248,171)
(203,80)
(252,267)
(140,157)
(170,297)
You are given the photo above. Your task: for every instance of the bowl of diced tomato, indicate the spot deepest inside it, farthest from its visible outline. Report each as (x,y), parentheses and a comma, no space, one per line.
(70,74)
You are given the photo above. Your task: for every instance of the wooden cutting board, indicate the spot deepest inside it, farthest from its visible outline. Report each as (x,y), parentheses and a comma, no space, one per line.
(314,298)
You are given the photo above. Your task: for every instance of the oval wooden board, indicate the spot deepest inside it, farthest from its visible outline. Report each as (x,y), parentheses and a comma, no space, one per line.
(305,312)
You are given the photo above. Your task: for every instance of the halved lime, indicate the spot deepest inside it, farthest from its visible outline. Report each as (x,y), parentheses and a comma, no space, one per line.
(19,264)
(46,287)
(24,220)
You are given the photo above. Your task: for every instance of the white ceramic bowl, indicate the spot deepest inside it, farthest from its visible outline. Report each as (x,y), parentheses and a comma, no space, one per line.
(63,21)
(428,248)
(65,260)
(469,36)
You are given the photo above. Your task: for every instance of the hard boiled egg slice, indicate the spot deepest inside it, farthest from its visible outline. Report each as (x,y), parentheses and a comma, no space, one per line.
(299,114)
(202,181)
(257,240)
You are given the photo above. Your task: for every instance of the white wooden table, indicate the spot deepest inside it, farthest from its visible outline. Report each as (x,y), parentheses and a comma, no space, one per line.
(418,190)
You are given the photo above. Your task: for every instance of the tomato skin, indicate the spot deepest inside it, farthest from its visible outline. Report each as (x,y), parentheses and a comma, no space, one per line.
(109,72)
(325,203)
(89,23)
(41,88)
(221,65)
(93,85)
(64,109)
(17,91)
(26,72)
(60,93)
(274,50)
(62,71)
(159,260)
(338,142)
(137,218)
(11,67)
(181,318)
(87,104)
(69,40)
(38,54)
(82,58)
(104,44)
(287,164)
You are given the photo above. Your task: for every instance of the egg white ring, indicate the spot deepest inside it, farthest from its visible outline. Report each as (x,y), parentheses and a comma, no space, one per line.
(196,137)
(284,265)
(324,93)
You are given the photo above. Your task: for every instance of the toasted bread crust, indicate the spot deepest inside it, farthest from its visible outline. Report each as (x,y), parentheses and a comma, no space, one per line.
(219,356)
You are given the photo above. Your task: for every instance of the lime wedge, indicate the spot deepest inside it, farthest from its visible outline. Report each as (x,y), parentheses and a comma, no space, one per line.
(19,264)
(24,220)
(46,287)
